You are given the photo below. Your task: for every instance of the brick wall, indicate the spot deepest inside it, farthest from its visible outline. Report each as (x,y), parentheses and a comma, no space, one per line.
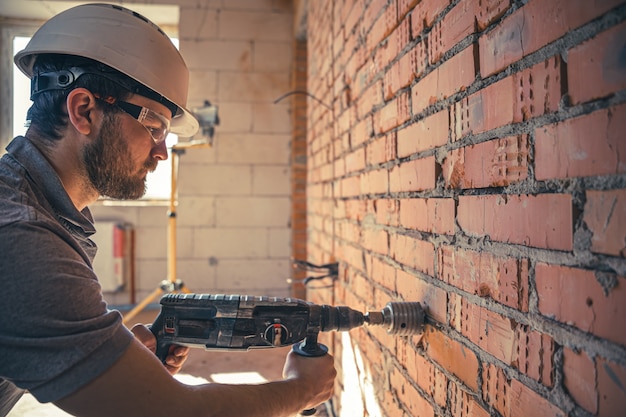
(298,164)
(473,157)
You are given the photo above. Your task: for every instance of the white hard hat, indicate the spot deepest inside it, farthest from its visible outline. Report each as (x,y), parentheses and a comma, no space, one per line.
(125,41)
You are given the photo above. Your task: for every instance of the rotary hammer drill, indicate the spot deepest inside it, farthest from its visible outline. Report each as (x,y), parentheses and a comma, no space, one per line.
(241,322)
(236,322)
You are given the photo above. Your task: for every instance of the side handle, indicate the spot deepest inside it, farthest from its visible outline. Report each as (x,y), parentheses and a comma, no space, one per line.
(310,348)
(162,346)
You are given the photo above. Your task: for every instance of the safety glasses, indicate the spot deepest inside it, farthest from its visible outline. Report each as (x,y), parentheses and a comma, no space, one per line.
(157,125)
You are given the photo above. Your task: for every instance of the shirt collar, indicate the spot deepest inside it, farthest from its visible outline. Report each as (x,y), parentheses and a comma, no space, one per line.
(46,179)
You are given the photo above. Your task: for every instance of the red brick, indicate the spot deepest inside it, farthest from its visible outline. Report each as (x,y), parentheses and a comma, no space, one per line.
(503,279)
(414,253)
(579,377)
(452,76)
(376,240)
(492,332)
(605,217)
(456,25)
(495,163)
(326,172)
(415,175)
(339,167)
(534,353)
(404,108)
(611,388)
(489,11)
(424,15)
(419,59)
(402,32)
(432,299)
(434,215)
(350,255)
(462,404)
(383,26)
(343,123)
(355,161)
(409,396)
(398,76)
(512,343)
(425,134)
(543,221)
(356,210)
(386,212)
(389,406)
(362,131)
(429,378)
(495,387)
(370,98)
(539,89)
(596,68)
(452,356)
(512,398)
(484,110)
(349,187)
(381,273)
(392,114)
(371,13)
(381,149)
(388,51)
(348,231)
(405,6)
(533,26)
(575,297)
(351,16)
(375,182)
(362,287)
(588,145)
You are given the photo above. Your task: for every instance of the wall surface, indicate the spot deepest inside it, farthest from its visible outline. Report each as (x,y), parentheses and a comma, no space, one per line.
(233,214)
(473,158)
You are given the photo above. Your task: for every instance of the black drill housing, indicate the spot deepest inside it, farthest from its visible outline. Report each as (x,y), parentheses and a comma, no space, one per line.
(240,322)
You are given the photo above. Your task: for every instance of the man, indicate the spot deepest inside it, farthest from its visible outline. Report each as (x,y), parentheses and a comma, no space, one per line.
(107,86)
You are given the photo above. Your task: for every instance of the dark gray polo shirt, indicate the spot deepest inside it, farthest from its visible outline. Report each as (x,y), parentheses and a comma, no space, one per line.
(56,333)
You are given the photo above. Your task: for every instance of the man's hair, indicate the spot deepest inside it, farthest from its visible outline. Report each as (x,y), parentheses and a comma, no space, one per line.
(48,114)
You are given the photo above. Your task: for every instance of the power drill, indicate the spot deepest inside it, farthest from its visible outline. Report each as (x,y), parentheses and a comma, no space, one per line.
(242,322)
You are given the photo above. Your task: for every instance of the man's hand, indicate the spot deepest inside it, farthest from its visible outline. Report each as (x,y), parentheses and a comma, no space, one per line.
(316,376)
(176,356)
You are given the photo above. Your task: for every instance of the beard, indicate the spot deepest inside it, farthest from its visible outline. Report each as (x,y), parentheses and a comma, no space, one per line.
(110,167)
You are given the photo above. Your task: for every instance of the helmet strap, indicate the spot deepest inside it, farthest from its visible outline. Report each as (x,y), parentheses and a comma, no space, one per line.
(63,79)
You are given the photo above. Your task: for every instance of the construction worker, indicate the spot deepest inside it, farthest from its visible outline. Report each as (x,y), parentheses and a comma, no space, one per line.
(107,87)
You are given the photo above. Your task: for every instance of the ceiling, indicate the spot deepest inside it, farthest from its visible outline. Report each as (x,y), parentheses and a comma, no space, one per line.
(45,9)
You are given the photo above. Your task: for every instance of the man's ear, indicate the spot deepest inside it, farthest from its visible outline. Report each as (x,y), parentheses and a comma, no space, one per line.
(80,105)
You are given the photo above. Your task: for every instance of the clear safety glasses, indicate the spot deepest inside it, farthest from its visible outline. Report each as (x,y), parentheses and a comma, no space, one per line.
(157,125)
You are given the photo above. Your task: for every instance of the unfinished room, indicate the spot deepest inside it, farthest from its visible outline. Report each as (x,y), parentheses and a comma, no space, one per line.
(340,208)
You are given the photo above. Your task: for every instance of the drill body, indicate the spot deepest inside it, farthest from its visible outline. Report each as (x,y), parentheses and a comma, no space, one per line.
(240,322)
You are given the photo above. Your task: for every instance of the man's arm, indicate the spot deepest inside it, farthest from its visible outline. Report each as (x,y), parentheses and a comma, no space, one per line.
(138,385)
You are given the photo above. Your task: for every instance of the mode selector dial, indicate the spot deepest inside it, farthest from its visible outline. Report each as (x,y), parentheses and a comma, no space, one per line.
(276,334)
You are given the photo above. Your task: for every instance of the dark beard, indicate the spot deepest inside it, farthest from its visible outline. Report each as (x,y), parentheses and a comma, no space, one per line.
(109,166)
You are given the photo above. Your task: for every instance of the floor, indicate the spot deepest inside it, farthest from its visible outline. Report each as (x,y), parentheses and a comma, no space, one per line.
(202,366)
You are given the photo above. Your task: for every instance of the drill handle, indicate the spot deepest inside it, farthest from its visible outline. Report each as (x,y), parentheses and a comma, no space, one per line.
(310,348)
(162,347)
